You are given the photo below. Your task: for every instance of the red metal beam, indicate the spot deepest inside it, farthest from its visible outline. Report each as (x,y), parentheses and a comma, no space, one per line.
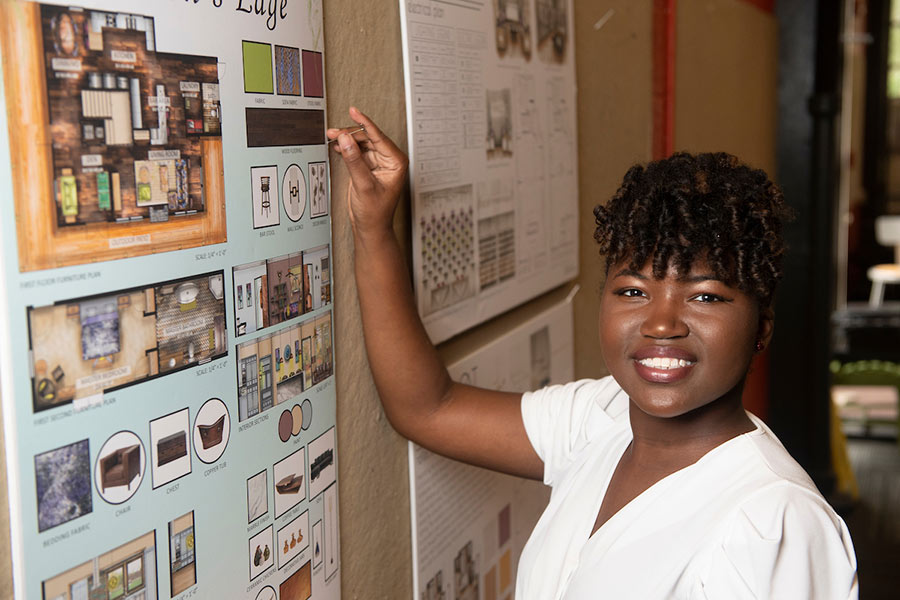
(663,77)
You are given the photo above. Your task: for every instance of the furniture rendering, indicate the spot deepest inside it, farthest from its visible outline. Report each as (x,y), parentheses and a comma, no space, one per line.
(322,461)
(120,467)
(211,435)
(887,232)
(290,484)
(172,447)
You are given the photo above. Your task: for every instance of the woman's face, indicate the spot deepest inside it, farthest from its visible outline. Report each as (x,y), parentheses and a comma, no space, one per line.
(681,342)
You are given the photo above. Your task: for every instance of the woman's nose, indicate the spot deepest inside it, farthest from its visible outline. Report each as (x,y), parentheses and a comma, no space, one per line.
(663,320)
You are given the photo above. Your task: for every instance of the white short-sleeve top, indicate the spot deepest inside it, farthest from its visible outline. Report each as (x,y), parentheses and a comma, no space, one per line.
(744,521)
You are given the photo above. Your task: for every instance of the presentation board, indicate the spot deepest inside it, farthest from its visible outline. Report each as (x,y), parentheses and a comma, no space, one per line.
(166,327)
(470,524)
(490,100)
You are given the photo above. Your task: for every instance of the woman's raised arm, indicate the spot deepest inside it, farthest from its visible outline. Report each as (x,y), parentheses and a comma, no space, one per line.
(470,424)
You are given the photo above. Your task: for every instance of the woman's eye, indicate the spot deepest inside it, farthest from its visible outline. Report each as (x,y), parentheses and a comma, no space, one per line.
(630,293)
(706,298)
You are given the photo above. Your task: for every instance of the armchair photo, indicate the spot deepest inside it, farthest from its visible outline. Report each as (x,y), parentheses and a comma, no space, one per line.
(120,467)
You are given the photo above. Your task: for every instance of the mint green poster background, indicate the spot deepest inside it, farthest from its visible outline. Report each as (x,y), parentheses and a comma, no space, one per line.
(216,493)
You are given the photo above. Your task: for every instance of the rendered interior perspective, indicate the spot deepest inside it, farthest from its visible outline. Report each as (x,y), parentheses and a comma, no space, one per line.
(124,573)
(268,292)
(276,368)
(512,26)
(123,143)
(552,28)
(181,553)
(86,346)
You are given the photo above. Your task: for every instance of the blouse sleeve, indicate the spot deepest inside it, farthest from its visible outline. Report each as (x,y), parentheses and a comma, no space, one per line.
(783,543)
(561,419)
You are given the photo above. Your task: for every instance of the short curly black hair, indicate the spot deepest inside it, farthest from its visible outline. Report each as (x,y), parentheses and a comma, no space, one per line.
(689,206)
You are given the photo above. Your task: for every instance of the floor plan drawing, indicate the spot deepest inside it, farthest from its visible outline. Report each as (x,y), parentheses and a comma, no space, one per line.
(122,152)
(85,346)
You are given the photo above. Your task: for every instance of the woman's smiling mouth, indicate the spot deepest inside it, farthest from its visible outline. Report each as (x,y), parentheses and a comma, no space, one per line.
(663,364)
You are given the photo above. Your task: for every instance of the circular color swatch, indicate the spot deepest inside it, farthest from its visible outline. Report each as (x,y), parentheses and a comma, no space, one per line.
(297,414)
(306,408)
(285,426)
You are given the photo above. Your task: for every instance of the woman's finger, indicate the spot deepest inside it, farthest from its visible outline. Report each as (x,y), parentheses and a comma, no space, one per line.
(359,170)
(382,143)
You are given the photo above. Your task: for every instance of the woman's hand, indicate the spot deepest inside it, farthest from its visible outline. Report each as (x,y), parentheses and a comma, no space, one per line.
(377,174)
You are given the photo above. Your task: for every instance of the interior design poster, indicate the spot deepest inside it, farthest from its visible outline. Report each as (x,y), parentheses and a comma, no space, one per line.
(490,99)
(166,332)
(469,525)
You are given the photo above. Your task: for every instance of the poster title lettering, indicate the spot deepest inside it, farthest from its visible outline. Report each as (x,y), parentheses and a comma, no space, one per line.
(273,11)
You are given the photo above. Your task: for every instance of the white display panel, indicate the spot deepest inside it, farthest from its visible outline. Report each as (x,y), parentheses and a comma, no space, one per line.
(470,524)
(490,96)
(166,330)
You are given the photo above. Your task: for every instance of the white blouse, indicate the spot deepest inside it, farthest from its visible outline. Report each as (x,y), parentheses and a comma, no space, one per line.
(744,521)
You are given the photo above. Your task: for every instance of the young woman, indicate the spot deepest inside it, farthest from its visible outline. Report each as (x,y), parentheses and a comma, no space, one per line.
(663,486)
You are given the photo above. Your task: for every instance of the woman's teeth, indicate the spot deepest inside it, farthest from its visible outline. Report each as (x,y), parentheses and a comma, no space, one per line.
(665,363)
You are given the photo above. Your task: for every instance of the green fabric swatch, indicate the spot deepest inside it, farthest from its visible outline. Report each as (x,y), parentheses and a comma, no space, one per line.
(258,68)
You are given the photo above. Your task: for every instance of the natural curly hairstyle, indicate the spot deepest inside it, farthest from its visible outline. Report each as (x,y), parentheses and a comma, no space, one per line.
(676,210)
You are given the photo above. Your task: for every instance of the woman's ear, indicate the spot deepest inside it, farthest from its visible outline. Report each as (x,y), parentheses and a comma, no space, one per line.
(766,326)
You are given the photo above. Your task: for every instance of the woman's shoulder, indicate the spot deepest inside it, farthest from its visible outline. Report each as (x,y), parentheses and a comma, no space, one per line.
(561,421)
(782,539)
(775,465)
(589,395)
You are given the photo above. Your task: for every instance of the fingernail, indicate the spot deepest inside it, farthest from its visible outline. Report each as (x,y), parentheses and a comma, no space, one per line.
(344,141)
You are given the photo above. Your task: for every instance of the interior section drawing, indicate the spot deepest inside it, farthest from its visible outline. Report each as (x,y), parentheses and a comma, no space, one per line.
(182,562)
(85,346)
(276,368)
(127,572)
(552,30)
(512,29)
(273,291)
(118,145)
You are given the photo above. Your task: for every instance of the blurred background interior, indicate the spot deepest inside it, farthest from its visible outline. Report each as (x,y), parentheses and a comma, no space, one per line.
(834,369)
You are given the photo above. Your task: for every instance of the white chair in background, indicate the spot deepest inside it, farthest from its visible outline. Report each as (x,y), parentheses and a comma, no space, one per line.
(887,233)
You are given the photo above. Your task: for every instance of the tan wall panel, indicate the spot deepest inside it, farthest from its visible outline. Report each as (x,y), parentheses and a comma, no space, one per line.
(726,79)
(614,73)
(364,67)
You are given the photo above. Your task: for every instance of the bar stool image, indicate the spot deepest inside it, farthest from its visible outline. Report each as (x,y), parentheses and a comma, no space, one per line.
(265,206)
(887,233)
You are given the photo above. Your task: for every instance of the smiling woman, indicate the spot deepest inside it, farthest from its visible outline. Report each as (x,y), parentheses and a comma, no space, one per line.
(663,485)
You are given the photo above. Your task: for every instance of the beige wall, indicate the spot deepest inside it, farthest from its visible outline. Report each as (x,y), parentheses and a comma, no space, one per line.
(726,76)
(725,100)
